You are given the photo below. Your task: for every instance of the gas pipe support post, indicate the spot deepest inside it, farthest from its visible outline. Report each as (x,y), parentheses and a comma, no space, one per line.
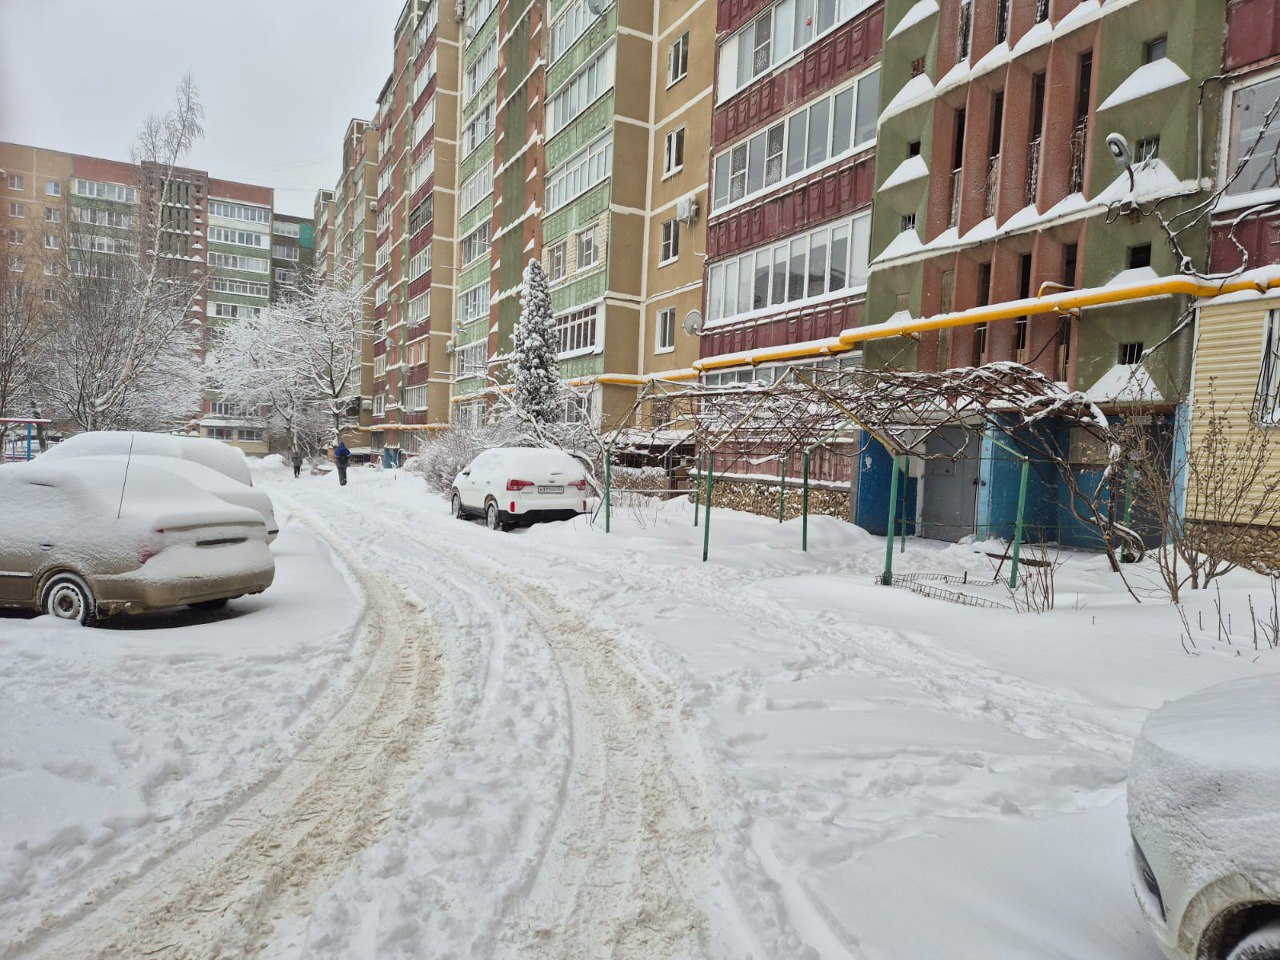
(804,503)
(887,577)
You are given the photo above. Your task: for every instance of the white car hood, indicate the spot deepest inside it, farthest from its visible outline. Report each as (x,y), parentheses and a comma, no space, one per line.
(1203,789)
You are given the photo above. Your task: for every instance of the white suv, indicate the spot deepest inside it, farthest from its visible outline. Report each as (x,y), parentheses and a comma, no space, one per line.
(515,486)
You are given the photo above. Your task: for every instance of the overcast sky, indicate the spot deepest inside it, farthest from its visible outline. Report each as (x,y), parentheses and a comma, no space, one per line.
(280,79)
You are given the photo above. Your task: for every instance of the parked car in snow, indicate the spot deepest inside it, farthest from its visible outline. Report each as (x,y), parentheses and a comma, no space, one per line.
(212,482)
(94,537)
(214,454)
(516,486)
(1204,810)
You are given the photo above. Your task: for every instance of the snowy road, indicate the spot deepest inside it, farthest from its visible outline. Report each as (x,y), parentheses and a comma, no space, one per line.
(557,744)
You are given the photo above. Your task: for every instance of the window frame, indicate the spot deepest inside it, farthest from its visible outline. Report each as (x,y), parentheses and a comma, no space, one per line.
(673,152)
(665,323)
(678,59)
(669,244)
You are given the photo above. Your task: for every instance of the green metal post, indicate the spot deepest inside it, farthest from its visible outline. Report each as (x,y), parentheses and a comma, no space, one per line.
(804,504)
(608,487)
(902,506)
(1017,529)
(706,521)
(782,492)
(887,578)
(697,488)
(30,427)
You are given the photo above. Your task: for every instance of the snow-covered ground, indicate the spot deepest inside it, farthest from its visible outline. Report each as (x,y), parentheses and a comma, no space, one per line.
(628,752)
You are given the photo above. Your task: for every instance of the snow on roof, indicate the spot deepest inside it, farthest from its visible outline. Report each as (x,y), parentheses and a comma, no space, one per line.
(922,10)
(1125,383)
(912,168)
(908,241)
(913,92)
(1147,79)
(1151,179)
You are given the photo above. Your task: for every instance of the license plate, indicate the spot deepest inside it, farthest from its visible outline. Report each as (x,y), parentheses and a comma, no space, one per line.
(551,489)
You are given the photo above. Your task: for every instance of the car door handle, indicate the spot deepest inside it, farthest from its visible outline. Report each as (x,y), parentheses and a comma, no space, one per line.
(46,546)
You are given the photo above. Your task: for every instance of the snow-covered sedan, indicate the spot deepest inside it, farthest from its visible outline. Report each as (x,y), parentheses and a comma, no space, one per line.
(515,486)
(1204,809)
(214,454)
(93,537)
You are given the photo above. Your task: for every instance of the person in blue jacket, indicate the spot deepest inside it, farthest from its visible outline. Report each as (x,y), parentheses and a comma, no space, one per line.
(342,457)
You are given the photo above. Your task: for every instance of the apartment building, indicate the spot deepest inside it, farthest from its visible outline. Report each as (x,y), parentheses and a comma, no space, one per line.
(292,251)
(221,229)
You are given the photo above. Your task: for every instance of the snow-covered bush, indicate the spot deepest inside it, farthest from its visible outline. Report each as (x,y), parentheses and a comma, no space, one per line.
(442,455)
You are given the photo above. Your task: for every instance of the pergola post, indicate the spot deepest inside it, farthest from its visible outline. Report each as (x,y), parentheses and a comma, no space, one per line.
(608,486)
(782,492)
(706,521)
(887,577)
(697,487)
(1017,528)
(804,503)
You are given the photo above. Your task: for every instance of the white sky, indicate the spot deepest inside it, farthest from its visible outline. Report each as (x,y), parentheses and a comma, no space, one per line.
(280,79)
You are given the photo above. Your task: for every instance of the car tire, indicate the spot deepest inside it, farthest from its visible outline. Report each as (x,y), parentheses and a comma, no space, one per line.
(459,512)
(67,597)
(491,518)
(1262,944)
(218,604)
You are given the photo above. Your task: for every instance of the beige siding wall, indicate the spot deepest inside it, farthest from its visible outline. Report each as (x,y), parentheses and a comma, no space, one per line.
(1229,348)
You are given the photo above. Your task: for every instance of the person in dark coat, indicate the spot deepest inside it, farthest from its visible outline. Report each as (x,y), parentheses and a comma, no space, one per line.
(297,463)
(342,457)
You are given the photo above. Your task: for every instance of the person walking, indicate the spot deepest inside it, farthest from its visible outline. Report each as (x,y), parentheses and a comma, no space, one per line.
(342,457)
(297,464)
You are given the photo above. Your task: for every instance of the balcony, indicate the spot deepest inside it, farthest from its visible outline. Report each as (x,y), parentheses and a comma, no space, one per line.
(963,34)
(991,191)
(1079,146)
(1033,171)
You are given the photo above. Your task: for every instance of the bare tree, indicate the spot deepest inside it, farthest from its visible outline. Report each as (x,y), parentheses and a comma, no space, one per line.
(122,348)
(22,328)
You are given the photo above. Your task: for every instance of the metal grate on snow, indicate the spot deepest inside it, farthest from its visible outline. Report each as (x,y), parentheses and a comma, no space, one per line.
(929,585)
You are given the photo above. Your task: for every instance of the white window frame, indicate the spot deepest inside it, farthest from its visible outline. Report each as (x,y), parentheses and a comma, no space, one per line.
(669,247)
(1244,198)
(664,334)
(475,188)
(583,171)
(578,331)
(673,152)
(557,261)
(589,235)
(575,96)
(678,60)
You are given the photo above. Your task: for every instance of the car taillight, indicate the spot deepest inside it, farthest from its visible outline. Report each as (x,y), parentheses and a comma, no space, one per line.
(518,485)
(150,547)
(580,484)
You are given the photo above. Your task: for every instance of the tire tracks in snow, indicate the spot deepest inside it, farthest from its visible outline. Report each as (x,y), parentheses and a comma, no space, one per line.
(219,893)
(613,854)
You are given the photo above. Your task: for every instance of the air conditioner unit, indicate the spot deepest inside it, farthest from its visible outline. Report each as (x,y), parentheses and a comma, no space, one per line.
(687,209)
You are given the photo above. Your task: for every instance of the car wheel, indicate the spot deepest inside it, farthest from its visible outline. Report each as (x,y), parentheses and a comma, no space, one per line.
(1262,944)
(210,604)
(491,517)
(67,597)
(458,510)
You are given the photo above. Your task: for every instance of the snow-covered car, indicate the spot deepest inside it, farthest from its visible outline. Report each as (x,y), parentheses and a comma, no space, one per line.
(214,454)
(93,537)
(1204,810)
(516,486)
(212,482)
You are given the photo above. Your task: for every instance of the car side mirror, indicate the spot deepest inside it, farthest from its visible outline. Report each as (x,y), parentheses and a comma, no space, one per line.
(466,473)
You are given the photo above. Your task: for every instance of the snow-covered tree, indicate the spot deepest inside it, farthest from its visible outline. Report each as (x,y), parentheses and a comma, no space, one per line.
(299,357)
(22,328)
(534,370)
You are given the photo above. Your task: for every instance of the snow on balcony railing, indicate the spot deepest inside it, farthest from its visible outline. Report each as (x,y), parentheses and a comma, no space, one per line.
(1079,141)
(1033,171)
(955,197)
(992,187)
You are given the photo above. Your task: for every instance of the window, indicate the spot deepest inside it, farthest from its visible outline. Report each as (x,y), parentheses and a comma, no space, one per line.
(1140,256)
(979,344)
(585,169)
(588,248)
(49,295)
(423,122)
(1157,49)
(908,222)
(52,188)
(666,332)
(476,243)
(1070,259)
(475,188)
(576,331)
(109,191)
(381,294)
(829,260)
(913,148)
(477,16)
(473,359)
(1131,353)
(568,27)
(479,127)
(670,242)
(380,365)
(249,435)
(833,126)
(52,215)
(422,214)
(420,263)
(385,177)
(239,288)
(420,308)
(286,278)
(240,238)
(482,67)
(285,252)
(415,398)
(1254,143)
(382,257)
(673,153)
(282,228)
(1267,404)
(380,402)
(237,211)
(17,210)
(14,235)
(230,261)
(558,261)
(1148,149)
(581,90)
(678,59)
(474,303)
(17,181)
(781,31)
(17,264)
(230,311)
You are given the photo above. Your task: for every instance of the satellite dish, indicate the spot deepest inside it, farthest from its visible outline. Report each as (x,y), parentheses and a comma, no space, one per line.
(596,7)
(693,323)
